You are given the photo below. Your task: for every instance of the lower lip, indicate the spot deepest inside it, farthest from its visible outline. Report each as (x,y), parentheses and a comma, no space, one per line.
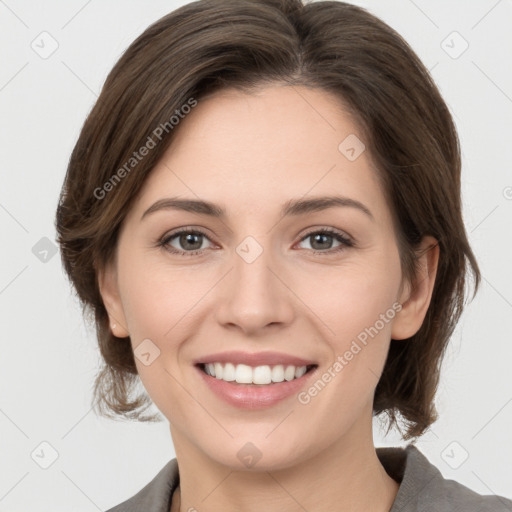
(256,396)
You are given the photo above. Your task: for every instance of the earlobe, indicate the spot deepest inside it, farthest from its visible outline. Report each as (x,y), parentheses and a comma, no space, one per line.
(415,299)
(109,291)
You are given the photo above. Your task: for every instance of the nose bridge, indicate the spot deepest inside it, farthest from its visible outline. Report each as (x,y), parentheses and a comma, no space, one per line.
(255,297)
(253,280)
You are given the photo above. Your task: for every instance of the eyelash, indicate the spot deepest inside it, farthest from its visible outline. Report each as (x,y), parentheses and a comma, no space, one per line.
(345,242)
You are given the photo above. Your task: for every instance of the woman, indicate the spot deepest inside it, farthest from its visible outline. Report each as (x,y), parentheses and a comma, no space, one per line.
(229,143)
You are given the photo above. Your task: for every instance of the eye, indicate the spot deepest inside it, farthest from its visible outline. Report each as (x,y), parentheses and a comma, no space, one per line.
(190,242)
(322,239)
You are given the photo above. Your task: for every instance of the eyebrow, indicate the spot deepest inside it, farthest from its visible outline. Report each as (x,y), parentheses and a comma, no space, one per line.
(293,207)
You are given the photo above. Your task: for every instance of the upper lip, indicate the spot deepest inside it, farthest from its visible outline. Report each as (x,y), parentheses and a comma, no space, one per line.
(254,359)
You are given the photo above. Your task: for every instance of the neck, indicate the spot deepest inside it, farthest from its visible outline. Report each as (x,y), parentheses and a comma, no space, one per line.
(347,476)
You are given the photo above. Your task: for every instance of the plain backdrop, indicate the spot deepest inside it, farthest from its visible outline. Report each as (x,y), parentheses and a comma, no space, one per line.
(48,356)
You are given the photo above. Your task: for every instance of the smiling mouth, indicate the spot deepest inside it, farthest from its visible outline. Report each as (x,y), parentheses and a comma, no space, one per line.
(241,374)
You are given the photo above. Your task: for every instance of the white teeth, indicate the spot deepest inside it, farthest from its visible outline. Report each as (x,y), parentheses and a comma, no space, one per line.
(300,371)
(229,372)
(244,374)
(262,375)
(218,370)
(278,373)
(289,373)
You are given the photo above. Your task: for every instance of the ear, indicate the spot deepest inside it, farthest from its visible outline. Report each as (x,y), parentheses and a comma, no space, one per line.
(415,297)
(109,290)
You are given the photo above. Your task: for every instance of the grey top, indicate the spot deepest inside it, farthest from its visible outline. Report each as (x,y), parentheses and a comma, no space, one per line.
(422,488)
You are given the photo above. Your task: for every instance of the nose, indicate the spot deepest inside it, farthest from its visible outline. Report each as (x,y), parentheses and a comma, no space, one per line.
(255,294)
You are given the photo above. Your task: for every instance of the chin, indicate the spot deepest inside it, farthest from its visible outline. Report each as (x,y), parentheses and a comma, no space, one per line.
(250,454)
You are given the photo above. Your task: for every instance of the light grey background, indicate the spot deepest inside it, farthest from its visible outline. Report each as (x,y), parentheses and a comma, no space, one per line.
(48,356)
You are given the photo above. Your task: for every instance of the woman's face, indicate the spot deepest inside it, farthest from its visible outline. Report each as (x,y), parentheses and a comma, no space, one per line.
(257,281)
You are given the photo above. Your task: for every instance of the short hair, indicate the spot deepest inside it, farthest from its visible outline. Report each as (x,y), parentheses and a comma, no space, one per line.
(205,46)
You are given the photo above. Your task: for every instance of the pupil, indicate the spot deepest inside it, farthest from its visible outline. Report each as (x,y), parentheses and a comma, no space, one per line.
(321,236)
(187,237)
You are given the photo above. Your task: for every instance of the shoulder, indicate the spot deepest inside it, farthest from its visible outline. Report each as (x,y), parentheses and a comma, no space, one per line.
(156,495)
(423,488)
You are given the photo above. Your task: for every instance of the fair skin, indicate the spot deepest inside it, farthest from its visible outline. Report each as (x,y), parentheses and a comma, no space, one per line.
(250,154)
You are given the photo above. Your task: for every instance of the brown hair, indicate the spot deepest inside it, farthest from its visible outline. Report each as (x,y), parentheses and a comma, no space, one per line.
(205,46)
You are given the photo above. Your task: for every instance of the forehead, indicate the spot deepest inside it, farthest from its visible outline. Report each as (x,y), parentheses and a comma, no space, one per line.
(286,120)
(244,150)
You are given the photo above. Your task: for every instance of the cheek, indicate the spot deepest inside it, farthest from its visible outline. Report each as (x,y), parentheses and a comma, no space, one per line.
(156,298)
(358,308)
(158,308)
(161,304)
(354,299)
